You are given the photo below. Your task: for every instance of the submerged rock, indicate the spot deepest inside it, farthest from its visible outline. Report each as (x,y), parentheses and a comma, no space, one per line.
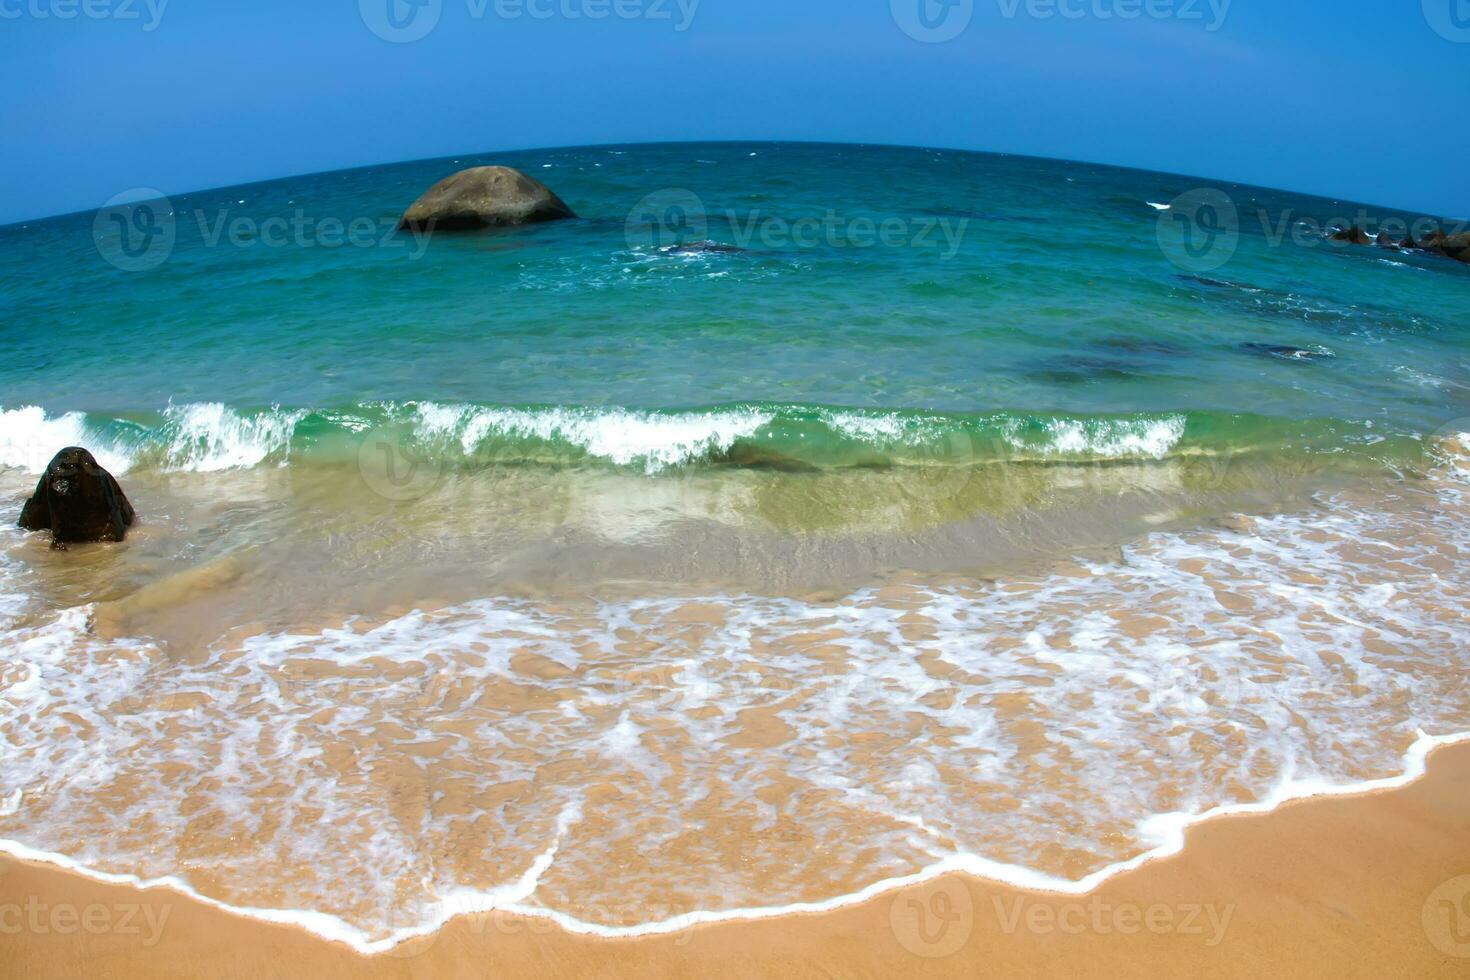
(484,197)
(1286,352)
(1207,281)
(702,248)
(77,500)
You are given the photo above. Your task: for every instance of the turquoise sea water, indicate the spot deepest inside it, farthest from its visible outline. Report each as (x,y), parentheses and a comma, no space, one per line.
(1035,307)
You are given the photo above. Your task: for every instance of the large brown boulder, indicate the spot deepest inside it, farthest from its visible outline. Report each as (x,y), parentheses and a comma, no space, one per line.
(77,500)
(1433,242)
(1456,246)
(484,197)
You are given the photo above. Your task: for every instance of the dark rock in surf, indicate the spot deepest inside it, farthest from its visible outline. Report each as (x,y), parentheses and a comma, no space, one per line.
(77,500)
(484,197)
(1298,355)
(753,457)
(1432,242)
(1455,246)
(1076,370)
(1207,281)
(1353,235)
(1386,241)
(702,248)
(1143,345)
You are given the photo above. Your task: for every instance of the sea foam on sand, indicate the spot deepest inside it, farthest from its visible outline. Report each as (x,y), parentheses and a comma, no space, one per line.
(573,759)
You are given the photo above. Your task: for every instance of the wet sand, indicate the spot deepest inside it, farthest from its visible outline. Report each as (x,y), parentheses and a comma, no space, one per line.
(1367,886)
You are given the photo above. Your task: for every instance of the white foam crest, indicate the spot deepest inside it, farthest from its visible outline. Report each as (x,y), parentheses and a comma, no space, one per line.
(1159,207)
(209,437)
(1456,446)
(622,436)
(1103,438)
(875,429)
(29,438)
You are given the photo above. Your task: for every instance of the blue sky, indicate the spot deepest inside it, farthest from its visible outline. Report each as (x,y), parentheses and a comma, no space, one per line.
(1356,99)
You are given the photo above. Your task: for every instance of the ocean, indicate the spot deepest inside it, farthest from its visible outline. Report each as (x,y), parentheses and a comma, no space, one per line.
(799,520)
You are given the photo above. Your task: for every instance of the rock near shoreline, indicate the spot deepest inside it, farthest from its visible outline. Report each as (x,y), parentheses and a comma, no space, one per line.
(484,197)
(77,500)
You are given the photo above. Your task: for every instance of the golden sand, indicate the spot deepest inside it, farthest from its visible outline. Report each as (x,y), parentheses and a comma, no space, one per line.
(1370,886)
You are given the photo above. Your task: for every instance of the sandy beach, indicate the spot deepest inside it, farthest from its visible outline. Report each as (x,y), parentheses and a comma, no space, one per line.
(1376,886)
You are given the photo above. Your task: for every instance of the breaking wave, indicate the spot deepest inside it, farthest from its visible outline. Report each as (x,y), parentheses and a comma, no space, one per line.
(210,437)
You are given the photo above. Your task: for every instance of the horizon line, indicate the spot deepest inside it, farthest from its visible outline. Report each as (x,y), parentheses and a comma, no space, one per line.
(1219,181)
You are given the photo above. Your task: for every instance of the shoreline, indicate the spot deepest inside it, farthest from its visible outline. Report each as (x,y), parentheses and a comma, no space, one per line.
(1172,828)
(1311,859)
